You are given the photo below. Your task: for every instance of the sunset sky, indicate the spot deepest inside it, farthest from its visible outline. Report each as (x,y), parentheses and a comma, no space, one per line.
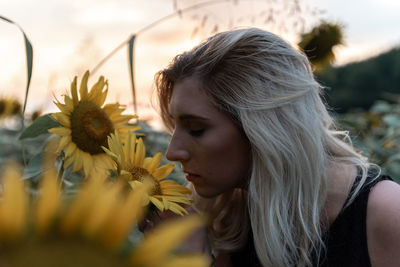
(69,37)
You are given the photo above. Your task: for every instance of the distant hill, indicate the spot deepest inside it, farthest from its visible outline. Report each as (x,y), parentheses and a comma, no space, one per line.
(358,85)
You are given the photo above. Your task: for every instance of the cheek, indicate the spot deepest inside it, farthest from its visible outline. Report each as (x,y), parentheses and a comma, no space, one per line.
(229,162)
(238,169)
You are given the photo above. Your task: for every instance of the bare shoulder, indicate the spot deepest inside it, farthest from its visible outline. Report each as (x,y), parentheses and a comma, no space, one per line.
(383,224)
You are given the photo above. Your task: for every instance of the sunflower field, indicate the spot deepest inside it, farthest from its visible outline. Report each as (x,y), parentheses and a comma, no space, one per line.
(77,183)
(376,133)
(79,187)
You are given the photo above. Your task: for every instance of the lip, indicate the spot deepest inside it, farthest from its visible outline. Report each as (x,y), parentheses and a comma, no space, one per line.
(192,177)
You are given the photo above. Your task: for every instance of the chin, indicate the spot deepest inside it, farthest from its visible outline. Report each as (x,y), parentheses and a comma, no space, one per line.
(205,192)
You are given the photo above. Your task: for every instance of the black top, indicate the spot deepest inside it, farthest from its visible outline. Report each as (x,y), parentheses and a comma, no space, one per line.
(345,241)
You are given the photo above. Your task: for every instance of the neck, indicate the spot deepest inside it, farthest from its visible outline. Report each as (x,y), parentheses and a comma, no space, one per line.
(341,177)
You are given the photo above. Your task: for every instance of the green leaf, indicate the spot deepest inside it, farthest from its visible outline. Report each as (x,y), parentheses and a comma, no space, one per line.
(40,126)
(34,167)
(29,59)
(395,157)
(381,106)
(392,120)
(131,68)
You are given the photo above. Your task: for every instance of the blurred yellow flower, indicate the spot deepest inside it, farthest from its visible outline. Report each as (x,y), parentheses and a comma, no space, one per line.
(87,229)
(86,123)
(9,107)
(13,205)
(133,166)
(155,250)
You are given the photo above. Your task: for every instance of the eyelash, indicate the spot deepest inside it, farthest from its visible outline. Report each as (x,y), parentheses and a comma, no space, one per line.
(196,133)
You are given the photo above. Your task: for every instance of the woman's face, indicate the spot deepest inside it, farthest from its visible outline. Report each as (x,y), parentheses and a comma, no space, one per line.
(213,151)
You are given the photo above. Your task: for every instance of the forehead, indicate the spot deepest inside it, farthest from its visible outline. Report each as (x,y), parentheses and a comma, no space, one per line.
(188,97)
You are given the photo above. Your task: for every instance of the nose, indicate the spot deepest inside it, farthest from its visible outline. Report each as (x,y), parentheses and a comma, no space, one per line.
(177,150)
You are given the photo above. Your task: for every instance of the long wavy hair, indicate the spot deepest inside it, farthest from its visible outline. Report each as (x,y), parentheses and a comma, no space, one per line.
(267,87)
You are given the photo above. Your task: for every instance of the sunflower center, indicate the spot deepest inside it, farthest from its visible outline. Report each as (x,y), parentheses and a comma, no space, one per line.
(141,174)
(90,126)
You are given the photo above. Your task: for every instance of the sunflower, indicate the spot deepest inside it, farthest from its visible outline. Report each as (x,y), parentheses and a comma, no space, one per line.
(86,123)
(91,229)
(9,107)
(133,166)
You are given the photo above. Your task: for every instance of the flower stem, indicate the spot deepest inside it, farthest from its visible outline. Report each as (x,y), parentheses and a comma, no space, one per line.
(61,174)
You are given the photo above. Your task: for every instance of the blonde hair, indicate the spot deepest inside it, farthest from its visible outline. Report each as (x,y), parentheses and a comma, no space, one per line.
(267,87)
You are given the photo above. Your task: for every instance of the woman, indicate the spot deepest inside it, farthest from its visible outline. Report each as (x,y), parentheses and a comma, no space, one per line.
(280,183)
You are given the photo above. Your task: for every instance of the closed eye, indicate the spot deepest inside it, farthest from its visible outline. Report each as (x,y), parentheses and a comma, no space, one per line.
(195,125)
(196,133)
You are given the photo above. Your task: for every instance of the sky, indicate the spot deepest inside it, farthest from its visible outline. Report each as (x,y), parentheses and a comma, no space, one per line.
(69,37)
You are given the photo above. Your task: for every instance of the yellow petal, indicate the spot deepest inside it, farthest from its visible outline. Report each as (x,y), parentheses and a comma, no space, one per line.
(102,97)
(113,156)
(178,199)
(14,205)
(124,216)
(63,108)
(110,108)
(135,184)
(163,171)
(78,210)
(104,160)
(63,119)
(124,129)
(48,202)
(99,172)
(146,163)
(119,149)
(171,185)
(157,203)
(115,113)
(96,90)
(101,209)
(69,104)
(128,147)
(121,119)
(69,150)
(114,143)
(61,131)
(74,92)
(163,239)
(165,203)
(140,153)
(131,157)
(87,163)
(177,209)
(96,94)
(64,141)
(78,160)
(83,90)
(155,162)
(68,161)
(115,146)
(182,260)
(126,175)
